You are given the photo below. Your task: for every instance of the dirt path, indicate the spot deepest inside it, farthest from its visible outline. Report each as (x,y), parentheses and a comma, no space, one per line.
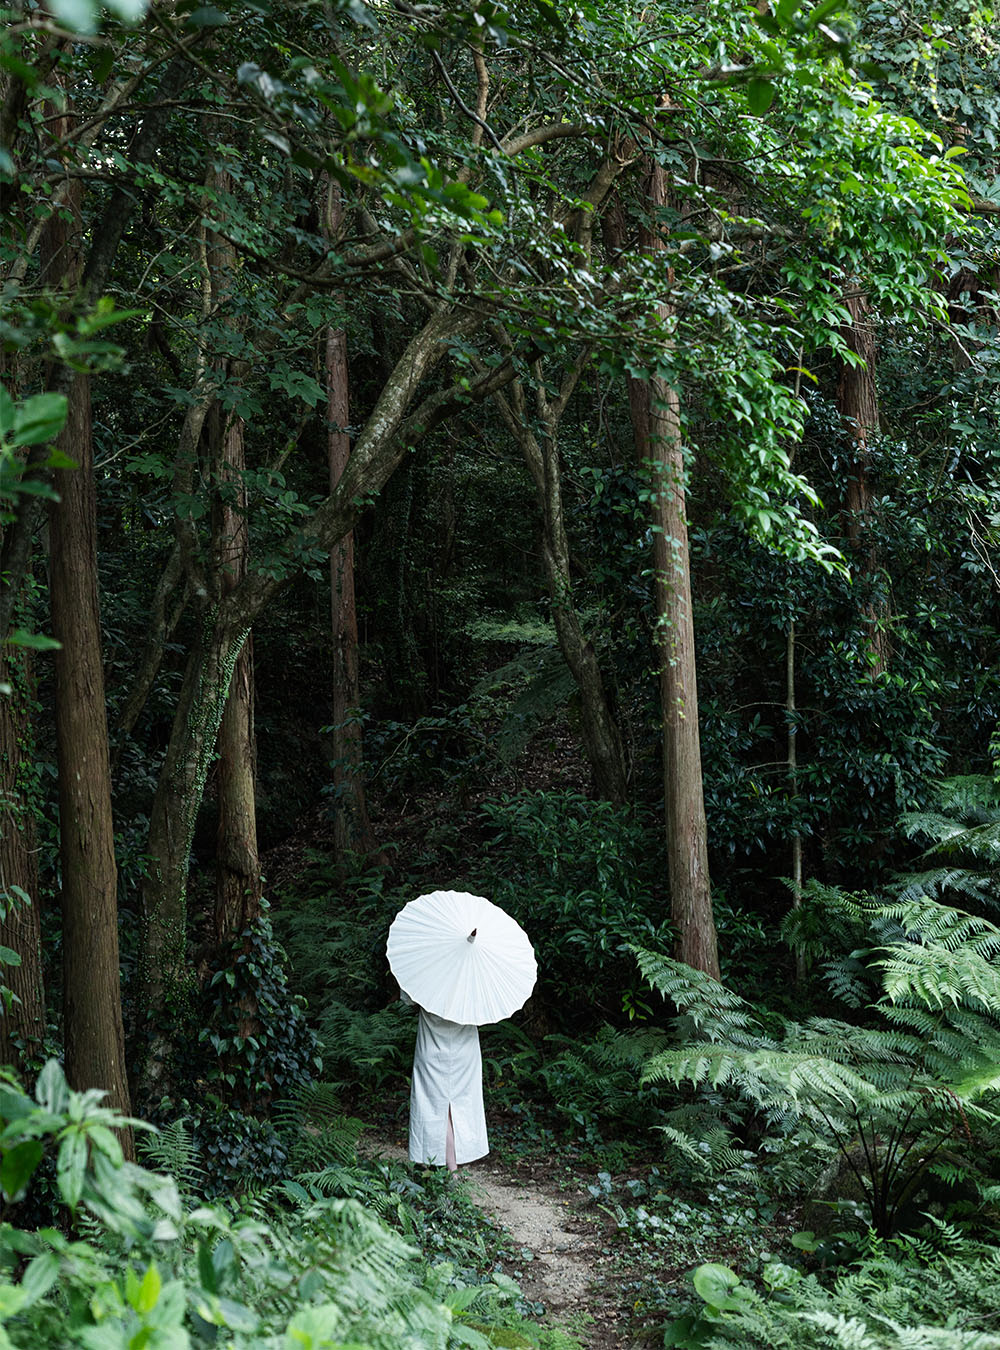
(558,1259)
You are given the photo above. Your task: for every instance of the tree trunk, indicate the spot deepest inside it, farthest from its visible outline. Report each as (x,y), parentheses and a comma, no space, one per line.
(793,787)
(93,1031)
(655,411)
(238,886)
(857,402)
(92,1012)
(601,737)
(165,975)
(352,831)
(22,1024)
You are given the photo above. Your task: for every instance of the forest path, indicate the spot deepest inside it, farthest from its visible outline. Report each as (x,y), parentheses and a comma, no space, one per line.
(557,1260)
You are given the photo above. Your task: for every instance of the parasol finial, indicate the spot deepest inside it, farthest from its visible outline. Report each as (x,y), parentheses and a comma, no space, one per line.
(472,935)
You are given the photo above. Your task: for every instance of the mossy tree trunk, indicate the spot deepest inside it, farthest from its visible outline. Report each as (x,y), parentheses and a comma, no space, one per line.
(857,402)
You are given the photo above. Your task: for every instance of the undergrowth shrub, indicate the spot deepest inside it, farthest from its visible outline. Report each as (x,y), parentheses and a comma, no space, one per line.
(334,927)
(961,859)
(937,1291)
(248,1042)
(584,879)
(586,1090)
(141,1268)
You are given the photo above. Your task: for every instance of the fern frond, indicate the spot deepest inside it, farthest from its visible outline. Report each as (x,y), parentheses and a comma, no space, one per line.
(936,974)
(776,1081)
(711,1154)
(848,1044)
(938,881)
(714,1010)
(849,980)
(927,920)
(174,1150)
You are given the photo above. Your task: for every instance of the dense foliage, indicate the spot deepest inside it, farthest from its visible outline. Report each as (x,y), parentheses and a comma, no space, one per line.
(535,448)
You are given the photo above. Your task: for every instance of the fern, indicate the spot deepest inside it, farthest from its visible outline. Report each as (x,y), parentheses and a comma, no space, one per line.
(544,686)
(315,1129)
(712,1155)
(372,1045)
(907,1294)
(173,1149)
(899,1088)
(963,854)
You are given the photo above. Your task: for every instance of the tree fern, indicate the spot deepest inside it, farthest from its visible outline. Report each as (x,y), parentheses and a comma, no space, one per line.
(888,1095)
(962,857)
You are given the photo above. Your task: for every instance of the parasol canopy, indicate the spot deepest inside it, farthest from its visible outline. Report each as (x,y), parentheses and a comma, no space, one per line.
(461,957)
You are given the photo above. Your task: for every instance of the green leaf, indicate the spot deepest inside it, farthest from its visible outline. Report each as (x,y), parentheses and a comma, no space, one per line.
(20,637)
(715,1283)
(18,1167)
(71,1167)
(39,419)
(687,1333)
(9,957)
(12,1300)
(107,1141)
(206,1269)
(39,1276)
(148,1292)
(51,1089)
(14,1105)
(6,413)
(760,95)
(823,11)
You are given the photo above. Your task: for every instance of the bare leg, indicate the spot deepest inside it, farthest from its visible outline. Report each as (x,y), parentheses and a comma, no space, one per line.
(449,1145)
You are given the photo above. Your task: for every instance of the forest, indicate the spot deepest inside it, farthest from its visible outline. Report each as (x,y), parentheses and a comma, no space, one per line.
(541,449)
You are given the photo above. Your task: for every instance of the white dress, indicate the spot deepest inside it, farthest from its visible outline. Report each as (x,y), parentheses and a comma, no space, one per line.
(447,1072)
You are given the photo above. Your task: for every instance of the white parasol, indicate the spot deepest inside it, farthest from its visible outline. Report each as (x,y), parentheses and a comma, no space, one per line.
(461,957)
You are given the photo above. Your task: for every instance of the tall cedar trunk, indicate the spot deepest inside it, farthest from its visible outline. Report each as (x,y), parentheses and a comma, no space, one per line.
(238,887)
(857,402)
(22,1026)
(92,1010)
(93,1031)
(352,831)
(655,411)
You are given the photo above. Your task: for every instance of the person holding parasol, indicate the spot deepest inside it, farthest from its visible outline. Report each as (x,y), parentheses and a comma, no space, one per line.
(464,963)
